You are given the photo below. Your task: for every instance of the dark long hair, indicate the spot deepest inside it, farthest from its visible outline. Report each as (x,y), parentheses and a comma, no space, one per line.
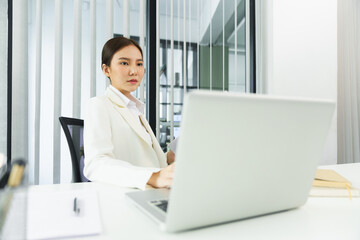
(113,45)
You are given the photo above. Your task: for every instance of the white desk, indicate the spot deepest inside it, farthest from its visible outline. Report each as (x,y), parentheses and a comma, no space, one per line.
(319,218)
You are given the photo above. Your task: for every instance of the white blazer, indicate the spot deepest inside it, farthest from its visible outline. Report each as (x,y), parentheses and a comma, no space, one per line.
(116,151)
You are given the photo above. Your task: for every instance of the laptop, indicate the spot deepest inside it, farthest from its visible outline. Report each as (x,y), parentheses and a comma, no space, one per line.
(239,156)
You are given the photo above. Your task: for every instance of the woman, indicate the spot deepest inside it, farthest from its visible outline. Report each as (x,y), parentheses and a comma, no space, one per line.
(120,147)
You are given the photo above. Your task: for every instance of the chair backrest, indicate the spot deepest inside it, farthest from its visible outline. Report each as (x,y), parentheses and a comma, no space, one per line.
(73,129)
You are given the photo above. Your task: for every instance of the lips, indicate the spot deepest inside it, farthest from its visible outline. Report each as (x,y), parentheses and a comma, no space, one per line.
(133,81)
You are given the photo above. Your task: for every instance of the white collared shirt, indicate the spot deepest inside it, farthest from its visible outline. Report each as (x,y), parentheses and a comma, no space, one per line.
(136,108)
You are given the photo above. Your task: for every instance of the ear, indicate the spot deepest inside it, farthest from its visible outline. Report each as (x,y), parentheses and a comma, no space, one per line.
(106,70)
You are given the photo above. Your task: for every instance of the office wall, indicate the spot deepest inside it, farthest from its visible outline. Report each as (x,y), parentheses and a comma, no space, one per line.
(217,68)
(302,54)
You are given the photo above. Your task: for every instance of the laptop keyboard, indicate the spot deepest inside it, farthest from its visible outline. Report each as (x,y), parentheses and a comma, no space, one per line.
(161,204)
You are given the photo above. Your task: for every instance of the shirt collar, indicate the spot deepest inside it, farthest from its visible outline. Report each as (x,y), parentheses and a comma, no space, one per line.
(127,101)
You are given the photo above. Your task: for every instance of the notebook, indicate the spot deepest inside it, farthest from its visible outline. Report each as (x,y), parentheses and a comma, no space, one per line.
(329,183)
(240,156)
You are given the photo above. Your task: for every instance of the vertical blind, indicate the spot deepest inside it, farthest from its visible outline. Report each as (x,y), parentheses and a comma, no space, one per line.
(64,68)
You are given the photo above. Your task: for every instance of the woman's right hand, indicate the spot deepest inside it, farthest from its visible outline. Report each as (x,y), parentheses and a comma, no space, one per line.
(163,178)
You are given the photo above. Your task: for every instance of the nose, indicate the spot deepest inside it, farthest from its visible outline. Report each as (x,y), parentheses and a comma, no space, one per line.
(132,71)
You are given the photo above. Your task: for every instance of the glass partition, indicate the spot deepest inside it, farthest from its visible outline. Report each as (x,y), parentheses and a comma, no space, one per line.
(209,39)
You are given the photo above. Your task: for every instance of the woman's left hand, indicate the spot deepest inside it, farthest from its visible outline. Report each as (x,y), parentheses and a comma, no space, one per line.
(170,157)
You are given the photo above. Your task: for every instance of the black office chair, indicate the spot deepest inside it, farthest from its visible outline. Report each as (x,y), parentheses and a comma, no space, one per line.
(73,129)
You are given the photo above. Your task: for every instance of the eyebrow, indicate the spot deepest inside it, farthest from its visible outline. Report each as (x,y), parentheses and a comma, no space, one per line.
(128,59)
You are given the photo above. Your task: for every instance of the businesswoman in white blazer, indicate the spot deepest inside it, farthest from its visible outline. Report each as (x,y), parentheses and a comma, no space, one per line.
(120,147)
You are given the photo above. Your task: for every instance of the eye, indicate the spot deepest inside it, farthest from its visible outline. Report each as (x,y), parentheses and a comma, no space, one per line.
(140,64)
(124,63)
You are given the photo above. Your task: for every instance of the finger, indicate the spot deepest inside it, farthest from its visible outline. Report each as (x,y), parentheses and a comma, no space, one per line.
(168,174)
(165,182)
(169,171)
(171,167)
(169,183)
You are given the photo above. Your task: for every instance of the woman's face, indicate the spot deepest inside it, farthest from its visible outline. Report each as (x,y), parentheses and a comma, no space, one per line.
(126,69)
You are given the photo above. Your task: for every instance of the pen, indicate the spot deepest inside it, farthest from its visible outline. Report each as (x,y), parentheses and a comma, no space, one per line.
(76,209)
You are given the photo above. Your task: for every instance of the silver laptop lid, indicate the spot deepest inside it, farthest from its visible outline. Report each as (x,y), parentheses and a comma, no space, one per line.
(241,156)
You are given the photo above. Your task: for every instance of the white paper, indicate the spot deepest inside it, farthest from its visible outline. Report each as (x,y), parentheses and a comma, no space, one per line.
(173,145)
(333,192)
(51,215)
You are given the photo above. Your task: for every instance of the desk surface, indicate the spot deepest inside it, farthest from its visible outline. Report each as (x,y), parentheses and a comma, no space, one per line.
(319,218)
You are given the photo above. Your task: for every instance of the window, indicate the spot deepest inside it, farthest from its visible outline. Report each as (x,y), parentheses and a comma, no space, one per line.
(210,39)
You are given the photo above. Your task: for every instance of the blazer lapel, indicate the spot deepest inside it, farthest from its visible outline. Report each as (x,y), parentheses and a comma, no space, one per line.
(125,113)
(156,146)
